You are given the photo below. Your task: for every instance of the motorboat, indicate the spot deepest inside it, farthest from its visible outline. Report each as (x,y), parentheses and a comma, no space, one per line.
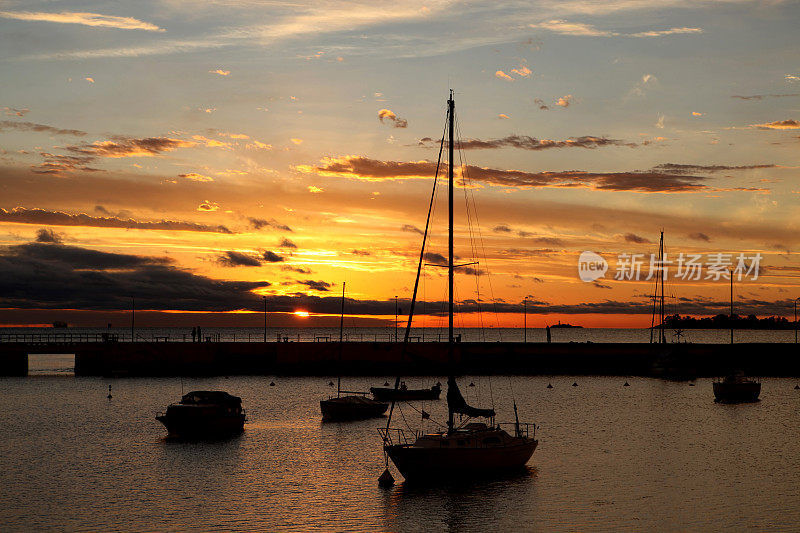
(204,415)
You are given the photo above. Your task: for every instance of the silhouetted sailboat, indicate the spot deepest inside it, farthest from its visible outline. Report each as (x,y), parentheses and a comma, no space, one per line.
(355,406)
(736,387)
(468,451)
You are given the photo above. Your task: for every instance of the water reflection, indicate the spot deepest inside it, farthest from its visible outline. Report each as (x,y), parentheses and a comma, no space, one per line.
(458,505)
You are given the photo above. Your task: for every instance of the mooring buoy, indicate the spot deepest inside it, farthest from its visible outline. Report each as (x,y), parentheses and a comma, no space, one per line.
(549,386)
(330,383)
(386,480)
(109,392)
(271,383)
(626,384)
(385,383)
(574,383)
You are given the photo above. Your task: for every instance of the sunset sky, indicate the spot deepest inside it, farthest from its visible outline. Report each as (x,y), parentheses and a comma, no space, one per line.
(199,155)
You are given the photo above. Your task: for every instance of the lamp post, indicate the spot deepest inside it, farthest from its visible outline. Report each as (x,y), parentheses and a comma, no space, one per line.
(133,316)
(795,320)
(395,318)
(265,318)
(525,317)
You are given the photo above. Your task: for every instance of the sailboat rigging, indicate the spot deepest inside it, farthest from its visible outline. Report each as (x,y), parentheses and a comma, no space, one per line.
(476,448)
(354,406)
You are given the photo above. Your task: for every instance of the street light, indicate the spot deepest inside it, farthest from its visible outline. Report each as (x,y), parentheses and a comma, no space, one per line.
(395,318)
(525,317)
(265,318)
(795,319)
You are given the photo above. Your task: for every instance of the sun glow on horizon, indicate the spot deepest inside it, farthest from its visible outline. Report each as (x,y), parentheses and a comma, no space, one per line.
(303,314)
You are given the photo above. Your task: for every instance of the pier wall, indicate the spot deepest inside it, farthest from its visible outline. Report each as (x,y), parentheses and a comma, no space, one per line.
(678,361)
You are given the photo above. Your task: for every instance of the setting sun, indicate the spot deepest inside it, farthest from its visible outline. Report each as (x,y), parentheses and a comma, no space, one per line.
(303,314)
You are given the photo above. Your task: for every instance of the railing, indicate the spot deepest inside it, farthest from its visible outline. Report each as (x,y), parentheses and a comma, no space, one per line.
(72,338)
(386,436)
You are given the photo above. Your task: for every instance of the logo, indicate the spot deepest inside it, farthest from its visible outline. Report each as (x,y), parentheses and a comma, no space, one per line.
(591,266)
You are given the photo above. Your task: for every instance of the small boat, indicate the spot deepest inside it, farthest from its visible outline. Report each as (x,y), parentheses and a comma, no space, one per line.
(351,408)
(736,388)
(355,406)
(404,394)
(204,415)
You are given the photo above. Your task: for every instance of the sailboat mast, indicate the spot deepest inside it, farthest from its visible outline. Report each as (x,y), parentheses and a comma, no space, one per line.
(341,344)
(451,108)
(451,105)
(731,272)
(661,272)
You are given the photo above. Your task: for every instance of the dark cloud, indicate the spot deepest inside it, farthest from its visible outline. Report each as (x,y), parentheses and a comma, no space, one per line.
(299,270)
(677,168)
(129,147)
(502,228)
(599,285)
(434,258)
(471,271)
(48,235)
(259,223)
(54,276)
(632,237)
(21,215)
(635,181)
(539,102)
(361,252)
(412,229)
(389,115)
(321,286)
(57,164)
(525,142)
(286,243)
(81,258)
(762,96)
(700,237)
(234,259)
(272,257)
(39,128)
(552,241)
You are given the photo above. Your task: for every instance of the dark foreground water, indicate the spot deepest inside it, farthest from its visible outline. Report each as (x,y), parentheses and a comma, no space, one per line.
(653,456)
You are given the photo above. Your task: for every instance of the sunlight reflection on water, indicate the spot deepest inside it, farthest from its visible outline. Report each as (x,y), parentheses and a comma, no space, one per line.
(655,455)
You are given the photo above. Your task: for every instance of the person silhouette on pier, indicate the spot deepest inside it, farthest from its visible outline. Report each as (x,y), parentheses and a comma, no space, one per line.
(194,334)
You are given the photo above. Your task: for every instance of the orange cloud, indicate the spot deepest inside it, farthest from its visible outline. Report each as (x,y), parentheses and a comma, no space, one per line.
(194,176)
(296,141)
(208,206)
(90,80)
(313,189)
(789,124)
(523,71)
(503,116)
(564,101)
(389,115)
(220,72)
(503,76)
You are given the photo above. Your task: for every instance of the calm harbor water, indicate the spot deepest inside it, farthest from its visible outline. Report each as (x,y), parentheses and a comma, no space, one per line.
(656,455)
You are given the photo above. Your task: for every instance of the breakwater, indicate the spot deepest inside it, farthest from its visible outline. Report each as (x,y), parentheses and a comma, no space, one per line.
(677,361)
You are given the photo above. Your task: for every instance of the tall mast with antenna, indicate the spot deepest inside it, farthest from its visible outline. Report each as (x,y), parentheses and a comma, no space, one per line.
(451,108)
(341,344)
(661,272)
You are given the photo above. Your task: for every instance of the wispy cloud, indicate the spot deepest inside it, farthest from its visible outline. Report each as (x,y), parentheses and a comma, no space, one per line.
(220,72)
(21,215)
(82,18)
(39,128)
(651,181)
(260,223)
(525,142)
(762,96)
(194,176)
(127,147)
(564,27)
(11,112)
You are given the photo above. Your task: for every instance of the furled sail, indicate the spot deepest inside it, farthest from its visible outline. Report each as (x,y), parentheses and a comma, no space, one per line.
(457,404)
